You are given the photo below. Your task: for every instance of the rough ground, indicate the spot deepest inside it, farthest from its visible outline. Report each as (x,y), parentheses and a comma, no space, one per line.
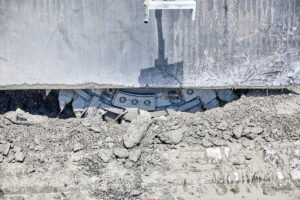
(247,149)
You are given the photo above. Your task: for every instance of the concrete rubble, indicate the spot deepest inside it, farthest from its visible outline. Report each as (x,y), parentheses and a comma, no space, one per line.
(250,149)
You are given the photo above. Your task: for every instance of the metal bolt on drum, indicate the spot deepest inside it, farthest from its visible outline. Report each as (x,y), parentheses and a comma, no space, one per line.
(134,102)
(122,100)
(147,103)
(190,92)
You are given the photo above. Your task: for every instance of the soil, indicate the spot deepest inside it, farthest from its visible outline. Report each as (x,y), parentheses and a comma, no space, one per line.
(249,149)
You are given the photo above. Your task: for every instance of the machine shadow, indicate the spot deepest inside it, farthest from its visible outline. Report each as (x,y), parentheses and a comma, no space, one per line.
(163,73)
(35,102)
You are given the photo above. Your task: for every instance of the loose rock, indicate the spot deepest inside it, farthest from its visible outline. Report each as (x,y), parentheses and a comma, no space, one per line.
(77,147)
(105,155)
(206,143)
(4,149)
(173,137)
(222,126)
(254,130)
(19,156)
(237,132)
(246,143)
(248,157)
(135,155)
(137,130)
(251,136)
(121,153)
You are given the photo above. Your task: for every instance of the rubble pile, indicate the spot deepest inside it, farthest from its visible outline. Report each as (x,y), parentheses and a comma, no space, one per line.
(249,148)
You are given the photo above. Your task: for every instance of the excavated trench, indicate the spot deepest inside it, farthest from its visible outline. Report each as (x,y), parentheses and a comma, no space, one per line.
(246,149)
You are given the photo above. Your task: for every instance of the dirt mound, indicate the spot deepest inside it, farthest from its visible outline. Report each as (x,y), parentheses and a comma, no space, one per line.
(247,149)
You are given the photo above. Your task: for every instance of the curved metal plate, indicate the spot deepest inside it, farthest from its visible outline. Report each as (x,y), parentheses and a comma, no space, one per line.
(130,100)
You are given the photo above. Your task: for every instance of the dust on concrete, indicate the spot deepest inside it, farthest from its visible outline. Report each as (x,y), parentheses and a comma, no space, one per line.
(247,149)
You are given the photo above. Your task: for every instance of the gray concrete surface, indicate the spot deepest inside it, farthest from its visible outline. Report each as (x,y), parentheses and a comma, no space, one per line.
(92,43)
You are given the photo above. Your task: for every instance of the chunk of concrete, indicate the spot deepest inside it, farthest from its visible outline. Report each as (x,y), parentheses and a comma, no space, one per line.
(237,131)
(206,143)
(137,129)
(121,152)
(255,130)
(173,137)
(19,156)
(135,155)
(295,174)
(132,113)
(77,147)
(105,155)
(223,126)
(4,149)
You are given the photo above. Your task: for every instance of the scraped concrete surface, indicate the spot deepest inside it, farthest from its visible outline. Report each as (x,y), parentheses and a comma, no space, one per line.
(82,42)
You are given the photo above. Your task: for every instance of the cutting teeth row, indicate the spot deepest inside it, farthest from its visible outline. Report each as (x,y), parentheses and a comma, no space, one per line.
(127,104)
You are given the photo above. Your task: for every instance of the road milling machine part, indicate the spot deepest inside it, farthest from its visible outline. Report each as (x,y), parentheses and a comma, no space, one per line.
(187,57)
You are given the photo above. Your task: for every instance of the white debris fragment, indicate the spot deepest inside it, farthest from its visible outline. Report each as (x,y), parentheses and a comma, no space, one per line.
(280,175)
(295,174)
(214,153)
(236,177)
(227,152)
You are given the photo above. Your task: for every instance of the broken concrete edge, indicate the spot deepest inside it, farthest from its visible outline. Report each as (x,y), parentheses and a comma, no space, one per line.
(104,86)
